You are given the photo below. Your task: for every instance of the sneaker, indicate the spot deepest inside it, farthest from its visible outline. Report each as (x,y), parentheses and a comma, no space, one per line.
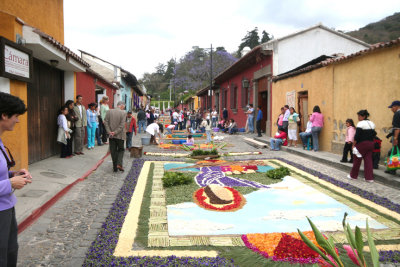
(349,177)
(369,181)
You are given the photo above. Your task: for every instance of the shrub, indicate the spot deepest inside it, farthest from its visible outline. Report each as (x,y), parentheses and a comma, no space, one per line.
(278,173)
(200,152)
(175,178)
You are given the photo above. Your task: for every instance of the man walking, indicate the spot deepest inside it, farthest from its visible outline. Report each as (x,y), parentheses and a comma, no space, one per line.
(141,117)
(258,121)
(395,107)
(80,125)
(115,126)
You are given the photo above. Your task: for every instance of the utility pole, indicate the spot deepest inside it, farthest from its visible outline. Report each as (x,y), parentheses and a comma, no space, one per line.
(211,79)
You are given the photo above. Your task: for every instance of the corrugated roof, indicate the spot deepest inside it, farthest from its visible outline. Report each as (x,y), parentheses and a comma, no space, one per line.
(61,47)
(329,61)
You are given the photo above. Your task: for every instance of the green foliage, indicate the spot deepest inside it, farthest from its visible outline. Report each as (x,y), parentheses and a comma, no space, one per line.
(200,152)
(278,173)
(384,30)
(252,39)
(355,241)
(175,178)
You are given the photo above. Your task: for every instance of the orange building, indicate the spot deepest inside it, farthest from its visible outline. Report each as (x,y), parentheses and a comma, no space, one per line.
(45,80)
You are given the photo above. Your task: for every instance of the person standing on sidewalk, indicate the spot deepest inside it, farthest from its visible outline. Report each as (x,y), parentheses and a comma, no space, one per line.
(317,120)
(141,119)
(114,123)
(395,107)
(10,108)
(214,116)
(71,119)
(91,116)
(130,127)
(285,119)
(250,118)
(80,125)
(63,135)
(348,145)
(258,121)
(103,111)
(225,114)
(364,145)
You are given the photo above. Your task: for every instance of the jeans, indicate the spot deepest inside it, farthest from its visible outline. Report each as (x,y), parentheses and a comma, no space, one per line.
(169,131)
(176,125)
(275,143)
(315,131)
(258,126)
(304,137)
(98,136)
(91,134)
(208,132)
(129,139)
(193,124)
(365,148)
(142,124)
(250,123)
(8,240)
(232,130)
(214,122)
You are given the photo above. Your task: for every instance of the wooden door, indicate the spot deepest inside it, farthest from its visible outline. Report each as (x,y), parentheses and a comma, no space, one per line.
(303,110)
(45,97)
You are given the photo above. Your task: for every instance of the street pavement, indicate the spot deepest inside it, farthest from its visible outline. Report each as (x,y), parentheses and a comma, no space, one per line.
(63,234)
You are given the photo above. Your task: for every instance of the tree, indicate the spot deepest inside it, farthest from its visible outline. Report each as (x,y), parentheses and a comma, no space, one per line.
(251,40)
(266,37)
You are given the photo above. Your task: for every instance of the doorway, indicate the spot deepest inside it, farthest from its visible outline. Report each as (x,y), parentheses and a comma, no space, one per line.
(303,109)
(263,102)
(45,98)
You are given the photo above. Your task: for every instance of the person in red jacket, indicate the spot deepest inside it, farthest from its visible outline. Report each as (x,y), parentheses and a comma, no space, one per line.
(130,127)
(279,139)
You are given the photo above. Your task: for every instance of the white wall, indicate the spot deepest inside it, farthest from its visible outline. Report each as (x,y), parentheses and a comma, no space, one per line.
(69,84)
(299,49)
(4,85)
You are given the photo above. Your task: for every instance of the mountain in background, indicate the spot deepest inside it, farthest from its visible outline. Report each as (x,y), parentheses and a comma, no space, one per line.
(382,31)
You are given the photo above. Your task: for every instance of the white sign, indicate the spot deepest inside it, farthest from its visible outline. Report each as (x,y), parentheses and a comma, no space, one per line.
(291,99)
(16,62)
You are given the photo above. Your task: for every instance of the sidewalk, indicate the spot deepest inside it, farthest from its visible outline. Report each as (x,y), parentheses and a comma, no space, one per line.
(52,175)
(333,160)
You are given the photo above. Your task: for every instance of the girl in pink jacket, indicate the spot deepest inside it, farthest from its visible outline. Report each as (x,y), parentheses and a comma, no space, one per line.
(350,133)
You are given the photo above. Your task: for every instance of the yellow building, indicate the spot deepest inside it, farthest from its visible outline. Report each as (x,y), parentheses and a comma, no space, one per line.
(369,79)
(35,30)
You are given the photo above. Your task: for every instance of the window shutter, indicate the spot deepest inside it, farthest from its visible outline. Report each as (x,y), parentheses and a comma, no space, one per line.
(243,97)
(232,97)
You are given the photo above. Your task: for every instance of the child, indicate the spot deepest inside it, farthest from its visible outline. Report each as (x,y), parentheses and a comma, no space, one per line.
(376,153)
(190,140)
(350,133)
(190,130)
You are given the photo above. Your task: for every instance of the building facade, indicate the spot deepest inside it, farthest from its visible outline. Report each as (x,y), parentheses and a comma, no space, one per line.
(52,76)
(368,79)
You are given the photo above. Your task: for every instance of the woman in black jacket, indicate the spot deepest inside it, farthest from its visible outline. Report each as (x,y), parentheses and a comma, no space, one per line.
(363,142)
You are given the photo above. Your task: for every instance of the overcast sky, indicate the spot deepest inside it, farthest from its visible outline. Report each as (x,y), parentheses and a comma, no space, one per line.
(137,35)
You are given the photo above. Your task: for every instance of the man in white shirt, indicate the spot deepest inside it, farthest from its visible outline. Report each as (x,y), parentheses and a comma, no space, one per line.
(153,129)
(175,117)
(214,117)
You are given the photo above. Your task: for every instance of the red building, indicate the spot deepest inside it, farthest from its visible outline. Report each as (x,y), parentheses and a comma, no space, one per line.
(92,87)
(247,81)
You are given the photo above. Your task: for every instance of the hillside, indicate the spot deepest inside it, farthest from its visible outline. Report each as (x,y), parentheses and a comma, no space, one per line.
(382,31)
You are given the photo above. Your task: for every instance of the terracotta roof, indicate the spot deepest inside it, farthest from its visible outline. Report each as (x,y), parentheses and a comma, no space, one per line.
(239,65)
(61,47)
(329,61)
(97,75)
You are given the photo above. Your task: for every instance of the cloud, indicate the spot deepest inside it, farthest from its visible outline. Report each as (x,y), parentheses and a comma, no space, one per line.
(195,227)
(300,214)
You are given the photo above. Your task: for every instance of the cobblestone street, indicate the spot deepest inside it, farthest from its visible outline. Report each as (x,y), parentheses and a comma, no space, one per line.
(64,233)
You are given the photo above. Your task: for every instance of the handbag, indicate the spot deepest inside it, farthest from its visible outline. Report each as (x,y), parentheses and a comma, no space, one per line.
(392,162)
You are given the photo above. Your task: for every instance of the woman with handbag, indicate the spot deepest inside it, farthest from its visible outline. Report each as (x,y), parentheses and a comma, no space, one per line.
(10,108)
(363,146)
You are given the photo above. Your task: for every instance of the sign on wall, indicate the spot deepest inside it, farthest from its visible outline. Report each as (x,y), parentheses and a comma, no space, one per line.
(15,61)
(291,99)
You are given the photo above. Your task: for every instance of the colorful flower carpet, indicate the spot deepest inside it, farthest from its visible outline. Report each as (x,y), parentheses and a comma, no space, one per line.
(221,216)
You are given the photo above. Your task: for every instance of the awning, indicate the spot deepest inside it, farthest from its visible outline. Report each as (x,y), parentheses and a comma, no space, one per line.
(47,49)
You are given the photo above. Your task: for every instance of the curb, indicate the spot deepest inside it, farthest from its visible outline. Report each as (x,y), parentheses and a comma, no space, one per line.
(42,209)
(378,177)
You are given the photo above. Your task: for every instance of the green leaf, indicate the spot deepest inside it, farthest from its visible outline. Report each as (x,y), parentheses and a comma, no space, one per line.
(372,248)
(351,237)
(314,247)
(360,245)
